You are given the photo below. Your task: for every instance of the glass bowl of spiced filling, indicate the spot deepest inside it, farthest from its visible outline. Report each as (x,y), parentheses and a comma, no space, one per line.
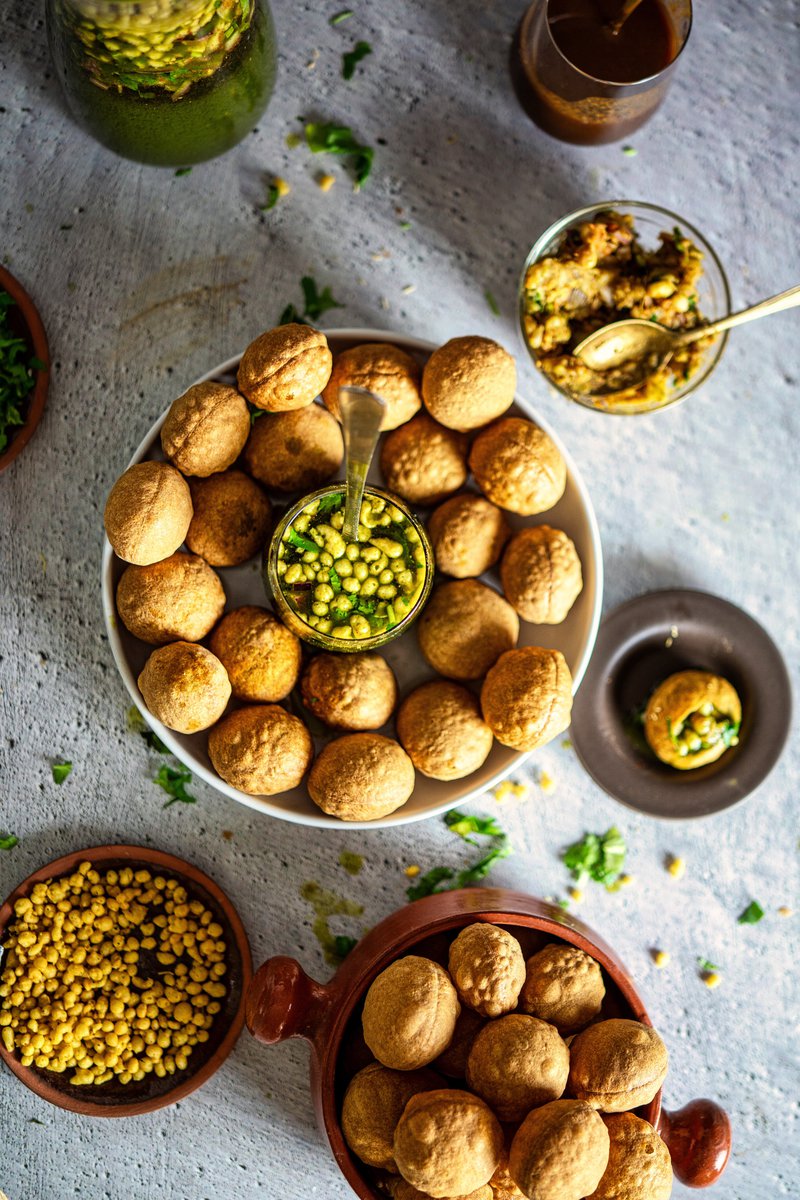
(610,261)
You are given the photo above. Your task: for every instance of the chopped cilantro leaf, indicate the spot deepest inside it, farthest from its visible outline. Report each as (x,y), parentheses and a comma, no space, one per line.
(173,780)
(290,316)
(342,945)
(353,57)
(338,139)
(336,582)
(629,151)
(493,305)
(338,17)
(303,543)
(61,771)
(441,879)
(464,824)
(428,883)
(330,503)
(752,914)
(272,198)
(183,171)
(8,841)
(705,965)
(598,856)
(316,302)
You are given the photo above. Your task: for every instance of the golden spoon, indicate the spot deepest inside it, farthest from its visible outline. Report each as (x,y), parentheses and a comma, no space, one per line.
(635,349)
(361,413)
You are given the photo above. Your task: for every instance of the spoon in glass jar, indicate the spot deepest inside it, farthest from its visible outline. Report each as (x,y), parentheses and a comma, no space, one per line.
(361,415)
(627,352)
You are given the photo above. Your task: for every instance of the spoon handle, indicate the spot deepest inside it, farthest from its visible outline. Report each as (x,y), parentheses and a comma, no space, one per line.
(361,412)
(774,304)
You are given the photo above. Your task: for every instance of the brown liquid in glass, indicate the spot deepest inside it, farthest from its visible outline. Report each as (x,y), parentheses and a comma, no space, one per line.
(582,31)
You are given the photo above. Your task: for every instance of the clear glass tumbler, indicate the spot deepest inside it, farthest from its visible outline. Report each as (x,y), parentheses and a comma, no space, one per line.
(167,82)
(571,102)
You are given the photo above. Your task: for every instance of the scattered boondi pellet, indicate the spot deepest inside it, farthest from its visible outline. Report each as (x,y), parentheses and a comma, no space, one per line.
(661,958)
(712,979)
(676,867)
(576,894)
(547,783)
(325,181)
(785,911)
(412,871)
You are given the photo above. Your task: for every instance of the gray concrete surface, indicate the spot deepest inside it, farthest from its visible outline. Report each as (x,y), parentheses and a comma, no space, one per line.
(156,280)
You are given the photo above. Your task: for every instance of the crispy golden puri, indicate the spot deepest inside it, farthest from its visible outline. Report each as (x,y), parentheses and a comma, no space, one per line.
(692,718)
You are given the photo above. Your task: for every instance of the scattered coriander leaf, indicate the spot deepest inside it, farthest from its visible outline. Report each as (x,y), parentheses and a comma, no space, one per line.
(352,58)
(342,945)
(598,856)
(336,582)
(693,304)
(330,503)
(303,543)
(464,825)
(490,300)
(183,171)
(65,227)
(272,198)
(338,17)
(563,904)
(752,914)
(630,151)
(290,316)
(327,138)
(255,413)
(705,965)
(8,841)
(316,302)
(428,883)
(483,866)
(154,742)
(61,771)
(35,1121)
(405,226)
(730,734)
(173,780)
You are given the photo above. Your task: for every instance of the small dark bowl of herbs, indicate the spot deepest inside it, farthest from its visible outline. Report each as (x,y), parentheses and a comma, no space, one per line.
(24,368)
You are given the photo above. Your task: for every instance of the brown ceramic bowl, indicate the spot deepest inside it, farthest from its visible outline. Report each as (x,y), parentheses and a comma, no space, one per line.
(114,1099)
(283,1002)
(26,323)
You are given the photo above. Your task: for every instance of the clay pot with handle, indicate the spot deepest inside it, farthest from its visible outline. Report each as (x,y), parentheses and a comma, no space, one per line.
(284,1002)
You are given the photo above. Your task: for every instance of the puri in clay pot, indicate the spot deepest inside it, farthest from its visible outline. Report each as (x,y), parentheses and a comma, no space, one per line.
(639,1163)
(517,1063)
(447,1143)
(372,1106)
(488,969)
(410,1013)
(617,1065)
(563,985)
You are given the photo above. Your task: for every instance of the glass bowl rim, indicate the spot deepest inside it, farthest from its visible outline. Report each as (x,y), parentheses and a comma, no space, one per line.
(559,226)
(324,640)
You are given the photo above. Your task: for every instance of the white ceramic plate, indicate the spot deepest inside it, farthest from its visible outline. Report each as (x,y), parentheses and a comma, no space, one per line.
(575,637)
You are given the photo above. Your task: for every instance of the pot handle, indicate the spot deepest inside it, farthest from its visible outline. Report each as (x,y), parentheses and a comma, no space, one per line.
(283,1002)
(698,1137)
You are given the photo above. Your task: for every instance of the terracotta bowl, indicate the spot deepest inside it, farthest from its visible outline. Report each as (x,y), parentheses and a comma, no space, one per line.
(114,1099)
(284,1002)
(26,322)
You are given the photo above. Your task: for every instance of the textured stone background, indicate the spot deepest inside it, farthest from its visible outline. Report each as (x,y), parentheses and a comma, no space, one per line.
(158,279)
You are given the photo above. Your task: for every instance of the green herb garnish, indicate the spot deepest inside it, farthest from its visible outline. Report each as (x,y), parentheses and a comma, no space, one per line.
(678,239)
(183,171)
(405,226)
(671,734)
(173,780)
(353,57)
(272,198)
(338,139)
(342,945)
(730,734)
(490,300)
(315,303)
(8,841)
(339,615)
(338,17)
(330,504)
(290,316)
(428,883)
(336,582)
(136,724)
(752,914)
(535,301)
(464,824)
(302,543)
(598,856)
(16,373)
(255,413)
(693,304)
(61,771)
(707,966)
(629,151)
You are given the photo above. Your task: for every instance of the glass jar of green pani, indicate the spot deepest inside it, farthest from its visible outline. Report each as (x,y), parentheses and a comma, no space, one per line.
(349,596)
(166,82)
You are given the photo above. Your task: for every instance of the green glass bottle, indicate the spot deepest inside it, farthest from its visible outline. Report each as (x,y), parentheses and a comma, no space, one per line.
(167,82)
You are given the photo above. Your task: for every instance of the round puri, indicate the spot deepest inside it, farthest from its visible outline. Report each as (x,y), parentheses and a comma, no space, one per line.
(468,382)
(381,368)
(467,533)
(442,730)
(518,466)
(541,574)
(147,513)
(424,462)
(410,1013)
(400,1189)
(185,687)
(559,1152)
(295,451)
(350,691)
(487,966)
(563,985)
(453,1061)
(673,701)
(285,368)
(205,429)
(360,777)
(526,697)
(517,1063)
(261,750)
(447,1143)
(231,518)
(639,1165)
(465,628)
(262,657)
(177,600)
(372,1106)
(617,1065)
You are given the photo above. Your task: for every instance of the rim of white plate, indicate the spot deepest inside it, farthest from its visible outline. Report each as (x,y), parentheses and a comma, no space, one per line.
(267,804)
